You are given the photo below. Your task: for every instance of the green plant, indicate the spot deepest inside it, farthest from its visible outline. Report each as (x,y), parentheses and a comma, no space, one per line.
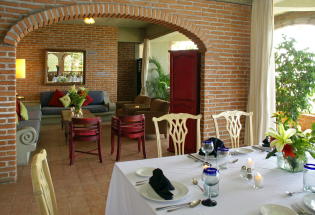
(158,86)
(77,96)
(295,79)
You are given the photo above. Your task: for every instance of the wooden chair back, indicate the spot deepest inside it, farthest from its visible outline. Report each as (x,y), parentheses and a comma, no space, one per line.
(177,129)
(129,126)
(42,184)
(85,129)
(234,126)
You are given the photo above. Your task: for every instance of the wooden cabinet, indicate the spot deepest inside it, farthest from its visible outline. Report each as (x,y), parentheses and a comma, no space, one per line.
(185,90)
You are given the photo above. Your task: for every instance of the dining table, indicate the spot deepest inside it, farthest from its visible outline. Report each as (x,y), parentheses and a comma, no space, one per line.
(237,196)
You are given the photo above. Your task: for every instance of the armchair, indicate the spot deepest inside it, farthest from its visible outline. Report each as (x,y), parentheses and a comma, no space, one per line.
(157,109)
(124,108)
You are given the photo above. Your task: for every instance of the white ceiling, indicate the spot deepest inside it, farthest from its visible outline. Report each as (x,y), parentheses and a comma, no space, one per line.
(283,6)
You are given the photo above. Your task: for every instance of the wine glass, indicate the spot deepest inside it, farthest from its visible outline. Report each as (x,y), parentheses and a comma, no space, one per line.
(211,179)
(207,147)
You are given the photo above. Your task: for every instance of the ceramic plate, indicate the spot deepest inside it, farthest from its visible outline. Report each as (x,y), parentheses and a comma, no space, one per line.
(244,150)
(309,201)
(145,171)
(271,209)
(147,192)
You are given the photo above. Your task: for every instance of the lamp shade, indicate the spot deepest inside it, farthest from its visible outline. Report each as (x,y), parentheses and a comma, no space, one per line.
(20,68)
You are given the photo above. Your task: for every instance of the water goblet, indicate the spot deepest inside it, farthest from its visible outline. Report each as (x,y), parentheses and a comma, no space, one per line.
(207,147)
(211,181)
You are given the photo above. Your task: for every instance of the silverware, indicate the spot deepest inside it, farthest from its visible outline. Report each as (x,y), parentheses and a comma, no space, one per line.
(288,193)
(190,205)
(222,166)
(193,156)
(195,182)
(138,183)
(171,206)
(258,148)
(300,209)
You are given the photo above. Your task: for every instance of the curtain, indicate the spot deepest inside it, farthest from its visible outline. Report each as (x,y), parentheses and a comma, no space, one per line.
(145,66)
(261,100)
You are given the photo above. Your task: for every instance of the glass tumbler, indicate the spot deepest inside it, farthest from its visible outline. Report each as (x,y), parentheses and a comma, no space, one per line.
(308,177)
(211,178)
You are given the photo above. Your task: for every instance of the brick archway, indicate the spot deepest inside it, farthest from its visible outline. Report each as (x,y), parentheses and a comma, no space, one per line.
(55,15)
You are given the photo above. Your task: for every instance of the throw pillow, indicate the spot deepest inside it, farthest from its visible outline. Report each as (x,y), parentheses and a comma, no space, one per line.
(24,113)
(65,100)
(18,109)
(88,100)
(54,101)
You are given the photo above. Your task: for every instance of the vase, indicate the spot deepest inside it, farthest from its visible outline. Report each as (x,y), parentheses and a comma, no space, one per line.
(78,112)
(290,164)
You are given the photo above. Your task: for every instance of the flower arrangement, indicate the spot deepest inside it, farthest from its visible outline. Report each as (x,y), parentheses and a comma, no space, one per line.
(77,96)
(293,143)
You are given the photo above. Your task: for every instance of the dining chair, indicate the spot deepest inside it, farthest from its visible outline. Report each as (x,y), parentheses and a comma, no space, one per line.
(132,127)
(42,184)
(177,129)
(234,126)
(87,130)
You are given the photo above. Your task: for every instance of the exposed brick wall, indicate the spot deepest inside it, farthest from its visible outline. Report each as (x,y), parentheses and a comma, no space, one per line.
(126,70)
(220,29)
(99,42)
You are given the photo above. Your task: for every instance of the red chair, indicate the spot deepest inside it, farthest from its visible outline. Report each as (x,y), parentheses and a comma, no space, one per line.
(128,126)
(84,129)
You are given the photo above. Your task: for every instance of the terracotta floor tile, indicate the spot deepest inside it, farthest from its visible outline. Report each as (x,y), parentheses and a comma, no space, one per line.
(81,188)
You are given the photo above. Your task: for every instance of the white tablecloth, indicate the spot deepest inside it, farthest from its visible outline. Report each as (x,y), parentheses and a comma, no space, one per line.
(236,197)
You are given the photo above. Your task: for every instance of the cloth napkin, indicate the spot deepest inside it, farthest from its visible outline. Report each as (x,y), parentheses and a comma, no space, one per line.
(161,185)
(217,143)
(266,142)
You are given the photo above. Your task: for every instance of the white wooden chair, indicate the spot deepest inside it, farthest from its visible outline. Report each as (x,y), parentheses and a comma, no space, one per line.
(177,129)
(42,184)
(234,126)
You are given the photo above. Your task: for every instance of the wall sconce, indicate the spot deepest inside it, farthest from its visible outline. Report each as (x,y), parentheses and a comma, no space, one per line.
(89,20)
(20,68)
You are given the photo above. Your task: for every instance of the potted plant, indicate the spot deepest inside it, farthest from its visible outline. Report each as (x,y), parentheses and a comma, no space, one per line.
(291,144)
(77,97)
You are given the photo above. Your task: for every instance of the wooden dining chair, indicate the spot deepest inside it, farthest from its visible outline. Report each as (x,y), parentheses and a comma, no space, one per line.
(234,126)
(132,127)
(177,129)
(42,184)
(87,130)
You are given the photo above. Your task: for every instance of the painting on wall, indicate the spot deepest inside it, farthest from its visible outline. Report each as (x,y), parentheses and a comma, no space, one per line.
(65,67)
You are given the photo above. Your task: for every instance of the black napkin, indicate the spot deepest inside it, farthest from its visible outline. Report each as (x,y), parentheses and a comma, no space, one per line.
(161,185)
(266,142)
(217,143)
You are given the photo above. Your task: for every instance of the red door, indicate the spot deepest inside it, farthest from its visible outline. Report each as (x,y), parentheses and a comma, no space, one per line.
(185,88)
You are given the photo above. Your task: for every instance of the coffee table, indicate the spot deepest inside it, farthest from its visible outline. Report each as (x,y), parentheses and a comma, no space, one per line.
(66,117)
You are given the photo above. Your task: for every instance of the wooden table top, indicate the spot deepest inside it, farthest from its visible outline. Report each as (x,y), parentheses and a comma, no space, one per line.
(67,115)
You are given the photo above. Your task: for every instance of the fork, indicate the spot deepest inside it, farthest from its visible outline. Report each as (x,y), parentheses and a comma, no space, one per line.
(300,210)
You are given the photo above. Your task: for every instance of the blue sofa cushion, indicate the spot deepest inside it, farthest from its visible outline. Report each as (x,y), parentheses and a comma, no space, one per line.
(52,110)
(45,97)
(98,97)
(96,108)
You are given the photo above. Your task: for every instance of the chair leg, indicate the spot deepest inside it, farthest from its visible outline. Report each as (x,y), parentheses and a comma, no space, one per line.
(143,147)
(99,150)
(112,147)
(118,149)
(139,143)
(72,151)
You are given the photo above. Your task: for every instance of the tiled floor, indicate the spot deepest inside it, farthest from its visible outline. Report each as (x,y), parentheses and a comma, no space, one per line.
(81,188)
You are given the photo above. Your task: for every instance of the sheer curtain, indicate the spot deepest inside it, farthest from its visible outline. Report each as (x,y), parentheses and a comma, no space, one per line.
(261,100)
(145,66)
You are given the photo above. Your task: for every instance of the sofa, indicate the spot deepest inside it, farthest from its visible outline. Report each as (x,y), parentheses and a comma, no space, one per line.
(101,106)
(27,133)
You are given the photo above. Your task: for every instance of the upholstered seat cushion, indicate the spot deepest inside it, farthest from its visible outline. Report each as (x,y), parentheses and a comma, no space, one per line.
(96,108)
(52,110)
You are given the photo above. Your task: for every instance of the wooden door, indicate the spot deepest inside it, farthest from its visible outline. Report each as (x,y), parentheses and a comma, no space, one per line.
(185,88)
